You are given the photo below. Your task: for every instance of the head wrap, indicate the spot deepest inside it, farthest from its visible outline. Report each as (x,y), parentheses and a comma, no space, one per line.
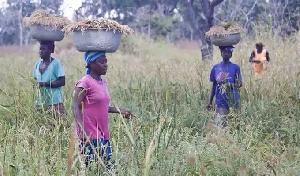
(229,48)
(50,44)
(91,56)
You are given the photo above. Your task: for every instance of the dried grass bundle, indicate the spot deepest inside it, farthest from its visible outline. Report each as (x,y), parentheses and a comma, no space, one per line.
(224,29)
(42,17)
(102,23)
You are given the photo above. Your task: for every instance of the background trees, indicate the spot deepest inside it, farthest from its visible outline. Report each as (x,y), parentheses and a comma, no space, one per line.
(169,19)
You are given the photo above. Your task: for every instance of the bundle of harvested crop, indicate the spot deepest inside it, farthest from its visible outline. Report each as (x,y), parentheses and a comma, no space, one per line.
(224,29)
(42,17)
(100,24)
(45,26)
(225,34)
(97,34)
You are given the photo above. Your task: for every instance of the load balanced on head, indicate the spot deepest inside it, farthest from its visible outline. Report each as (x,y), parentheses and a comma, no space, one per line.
(45,26)
(225,34)
(102,34)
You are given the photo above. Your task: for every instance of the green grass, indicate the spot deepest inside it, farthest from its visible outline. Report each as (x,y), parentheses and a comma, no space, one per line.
(167,88)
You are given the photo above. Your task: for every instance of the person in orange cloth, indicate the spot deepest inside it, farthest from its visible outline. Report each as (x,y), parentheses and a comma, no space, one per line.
(258,57)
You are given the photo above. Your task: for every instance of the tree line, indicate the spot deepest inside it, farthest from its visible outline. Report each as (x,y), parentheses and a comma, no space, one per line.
(171,20)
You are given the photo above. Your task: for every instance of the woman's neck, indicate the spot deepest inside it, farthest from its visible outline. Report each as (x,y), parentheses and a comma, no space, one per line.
(226,62)
(259,50)
(47,60)
(95,76)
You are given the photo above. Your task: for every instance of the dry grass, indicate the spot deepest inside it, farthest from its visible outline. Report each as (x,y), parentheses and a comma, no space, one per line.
(101,23)
(42,17)
(224,29)
(160,82)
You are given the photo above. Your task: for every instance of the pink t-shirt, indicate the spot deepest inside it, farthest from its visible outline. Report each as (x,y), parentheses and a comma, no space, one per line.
(95,109)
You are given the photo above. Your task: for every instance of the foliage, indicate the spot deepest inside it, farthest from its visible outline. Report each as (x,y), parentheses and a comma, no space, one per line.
(170,19)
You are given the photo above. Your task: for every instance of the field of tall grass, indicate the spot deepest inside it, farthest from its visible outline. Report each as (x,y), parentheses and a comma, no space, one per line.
(167,87)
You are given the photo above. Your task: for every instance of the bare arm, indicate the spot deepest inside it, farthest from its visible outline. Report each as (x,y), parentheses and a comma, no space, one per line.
(251,56)
(79,96)
(113,109)
(125,112)
(238,79)
(61,81)
(267,56)
(212,94)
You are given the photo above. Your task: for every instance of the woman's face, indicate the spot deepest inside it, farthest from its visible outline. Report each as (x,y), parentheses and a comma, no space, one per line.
(99,65)
(45,51)
(226,54)
(259,48)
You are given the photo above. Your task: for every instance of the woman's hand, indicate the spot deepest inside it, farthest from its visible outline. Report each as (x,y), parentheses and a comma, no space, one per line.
(125,112)
(238,84)
(42,84)
(209,106)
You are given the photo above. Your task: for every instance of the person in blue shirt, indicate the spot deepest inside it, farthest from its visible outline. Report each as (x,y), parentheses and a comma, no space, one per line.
(226,79)
(50,78)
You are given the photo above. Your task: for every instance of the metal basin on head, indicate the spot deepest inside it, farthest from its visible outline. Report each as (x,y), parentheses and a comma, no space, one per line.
(227,40)
(44,33)
(97,40)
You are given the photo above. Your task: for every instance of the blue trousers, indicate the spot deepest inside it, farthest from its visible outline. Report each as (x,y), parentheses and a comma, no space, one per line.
(96,148)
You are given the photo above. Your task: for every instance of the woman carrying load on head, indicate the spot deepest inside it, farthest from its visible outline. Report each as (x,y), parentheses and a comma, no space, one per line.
(91,101)
(50,76)
(226,79)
